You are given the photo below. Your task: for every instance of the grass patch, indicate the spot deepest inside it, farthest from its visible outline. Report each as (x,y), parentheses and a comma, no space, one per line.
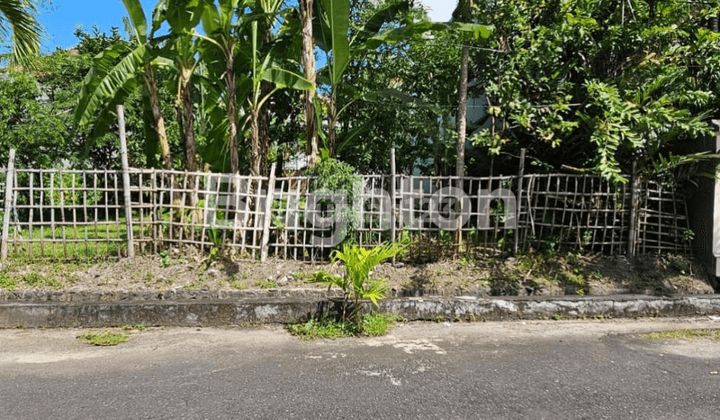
(323,329)
(377,324)
(266,284)
(139,327)
(108,338)
(574,277)
(236,284)
(37,280)
(371,324)
(200,283)
(8,283)
(683,335)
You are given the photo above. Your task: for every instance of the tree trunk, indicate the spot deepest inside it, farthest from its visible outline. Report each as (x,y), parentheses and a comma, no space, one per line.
(262,119)
(332,135)
(255,142)
(159,121)
(264,128)
(188,125)
(462,114)
(232,113)
(308,63)
(462,106)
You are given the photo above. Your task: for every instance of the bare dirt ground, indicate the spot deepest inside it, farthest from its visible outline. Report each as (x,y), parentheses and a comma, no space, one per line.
(533,274)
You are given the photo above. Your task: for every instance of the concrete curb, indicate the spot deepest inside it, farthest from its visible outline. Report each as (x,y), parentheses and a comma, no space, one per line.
(265,310)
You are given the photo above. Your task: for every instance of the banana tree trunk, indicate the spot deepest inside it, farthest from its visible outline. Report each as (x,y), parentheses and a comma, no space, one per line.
(264,128)
(255,142)
(188,124)
(232,114)
(332,121)
(308,63)
(159,121)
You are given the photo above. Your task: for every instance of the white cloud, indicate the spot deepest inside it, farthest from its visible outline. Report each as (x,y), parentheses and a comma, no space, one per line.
(440,10)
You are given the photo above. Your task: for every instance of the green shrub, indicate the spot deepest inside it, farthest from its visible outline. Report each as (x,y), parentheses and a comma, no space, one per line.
(335,177)
(356,283)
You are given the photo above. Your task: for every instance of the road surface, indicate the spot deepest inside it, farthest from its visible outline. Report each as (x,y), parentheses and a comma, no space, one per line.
(513,370)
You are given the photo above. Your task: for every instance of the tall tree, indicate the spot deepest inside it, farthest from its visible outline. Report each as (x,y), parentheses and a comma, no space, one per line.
(334,22)
(220,26)
(18,23)
(594,86)
(308,63)
(263,69)
(117,72)
(183,17)
(463,101)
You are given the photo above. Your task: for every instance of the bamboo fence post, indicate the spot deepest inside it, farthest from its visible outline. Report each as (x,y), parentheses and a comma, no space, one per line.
(126,181)
(268,214)
(633,211)
(154,210)
(521,174)
(9,178)
(393,194)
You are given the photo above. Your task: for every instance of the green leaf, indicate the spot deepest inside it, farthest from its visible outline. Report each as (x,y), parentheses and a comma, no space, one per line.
(409,31)
(137,17)
(24,27)
(336,17)
(387,12)
(285,78)
(101,88)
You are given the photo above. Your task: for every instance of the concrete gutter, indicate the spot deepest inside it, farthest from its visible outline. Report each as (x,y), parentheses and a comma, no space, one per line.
(260,310)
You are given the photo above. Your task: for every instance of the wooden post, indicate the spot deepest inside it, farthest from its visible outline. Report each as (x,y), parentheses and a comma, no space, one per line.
(126,181)
(633,210)
(268,215)
(9,184)
(393,195)
(521,174)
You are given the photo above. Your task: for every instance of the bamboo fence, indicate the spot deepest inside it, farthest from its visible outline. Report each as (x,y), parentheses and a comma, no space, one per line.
(68,214)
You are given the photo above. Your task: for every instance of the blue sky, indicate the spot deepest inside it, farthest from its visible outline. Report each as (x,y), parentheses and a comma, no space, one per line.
(62,16)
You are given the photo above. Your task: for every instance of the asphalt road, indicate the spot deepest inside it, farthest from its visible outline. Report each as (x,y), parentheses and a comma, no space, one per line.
(513,370)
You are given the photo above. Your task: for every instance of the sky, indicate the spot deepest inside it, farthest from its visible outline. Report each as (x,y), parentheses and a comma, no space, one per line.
(61,17)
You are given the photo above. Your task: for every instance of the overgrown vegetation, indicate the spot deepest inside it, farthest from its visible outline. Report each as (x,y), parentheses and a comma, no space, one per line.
(542,269)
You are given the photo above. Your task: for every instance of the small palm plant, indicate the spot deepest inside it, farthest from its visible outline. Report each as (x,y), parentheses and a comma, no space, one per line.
(356,284)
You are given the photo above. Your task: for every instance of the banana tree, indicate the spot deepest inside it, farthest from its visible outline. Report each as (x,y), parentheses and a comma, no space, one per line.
(183,17)
(264,69)
(268,15)
(333,20)
(334,38)
(120,70)
(308,63)
(220,27)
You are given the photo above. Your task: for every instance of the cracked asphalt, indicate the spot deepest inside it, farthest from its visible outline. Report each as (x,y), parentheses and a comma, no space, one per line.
(494,370)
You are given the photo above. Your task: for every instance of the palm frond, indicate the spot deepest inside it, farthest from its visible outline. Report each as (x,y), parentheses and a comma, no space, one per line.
(25,30)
